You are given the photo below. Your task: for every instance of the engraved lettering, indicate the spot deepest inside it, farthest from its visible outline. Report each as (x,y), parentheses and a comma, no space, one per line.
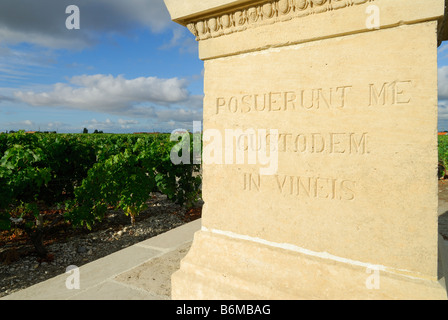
(316,187)
(245,105)
(280,184)
(311,99)
(275,101)
(343,95)
(236,144)
(333,188)
(257,102)
(304,99)
(321,97)
(402,97)
(290,98)
(233,105)
(252,182)
(236,134)
(302,186)
(298,142)
(347,192)
(283,141)
(322,187)
(375,96)
(318,143)
(348,143)
(336,142)
(359,146)
(220,102)
(394,93)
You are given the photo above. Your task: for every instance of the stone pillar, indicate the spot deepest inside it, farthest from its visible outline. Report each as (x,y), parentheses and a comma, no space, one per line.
(320,151)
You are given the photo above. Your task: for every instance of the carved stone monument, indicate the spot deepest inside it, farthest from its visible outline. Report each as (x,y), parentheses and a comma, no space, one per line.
(342,96)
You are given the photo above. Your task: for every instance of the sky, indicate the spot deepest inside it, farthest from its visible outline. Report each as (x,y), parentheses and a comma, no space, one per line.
(442,56)
(127,68)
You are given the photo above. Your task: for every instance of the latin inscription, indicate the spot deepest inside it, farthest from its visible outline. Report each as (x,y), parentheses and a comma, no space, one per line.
(376,95)
(305,187)
(332,98)
(390,93)
(344,143)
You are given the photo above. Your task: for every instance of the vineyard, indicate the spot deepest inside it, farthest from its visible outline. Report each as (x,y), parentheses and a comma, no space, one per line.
(84,175)
(443,157)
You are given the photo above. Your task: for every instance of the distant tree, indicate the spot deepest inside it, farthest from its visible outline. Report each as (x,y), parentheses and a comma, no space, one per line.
(96,131)
(85,130)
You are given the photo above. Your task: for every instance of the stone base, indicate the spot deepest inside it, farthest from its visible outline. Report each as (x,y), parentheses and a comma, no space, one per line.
(223,267)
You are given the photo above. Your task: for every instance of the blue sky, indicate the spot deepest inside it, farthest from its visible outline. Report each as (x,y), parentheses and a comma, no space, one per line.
(128,68)
(442,56)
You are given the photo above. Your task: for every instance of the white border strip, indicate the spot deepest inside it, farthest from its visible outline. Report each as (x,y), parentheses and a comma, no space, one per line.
(322,255)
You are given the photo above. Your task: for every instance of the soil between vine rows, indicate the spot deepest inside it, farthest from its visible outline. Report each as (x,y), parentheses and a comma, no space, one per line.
(20,267)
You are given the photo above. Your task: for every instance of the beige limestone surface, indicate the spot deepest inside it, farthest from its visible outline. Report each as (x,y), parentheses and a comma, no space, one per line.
(352,180)
(155,275)
(311,24)
(182,10)
(352,112)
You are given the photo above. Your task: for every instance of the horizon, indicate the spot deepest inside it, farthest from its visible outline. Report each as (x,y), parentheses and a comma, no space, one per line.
(115,67)
(126,67)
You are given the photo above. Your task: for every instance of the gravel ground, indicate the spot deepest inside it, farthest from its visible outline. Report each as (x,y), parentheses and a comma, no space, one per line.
(443,201)
(115,234)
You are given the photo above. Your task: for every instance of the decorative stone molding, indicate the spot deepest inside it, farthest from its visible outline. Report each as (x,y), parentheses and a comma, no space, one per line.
(262,14)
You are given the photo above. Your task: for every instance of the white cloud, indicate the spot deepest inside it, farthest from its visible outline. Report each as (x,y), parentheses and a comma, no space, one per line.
(43,22)
(179,115)
(117,125)
(12,36)
(443,96)
(5,98)
(21,125)
(127,124)
(443,116)
(18,65)
(442,48)
(443,82)
(109,94)
(33,125)
(181,39)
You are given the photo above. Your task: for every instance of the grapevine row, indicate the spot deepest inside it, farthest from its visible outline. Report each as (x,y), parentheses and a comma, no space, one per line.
(86,174)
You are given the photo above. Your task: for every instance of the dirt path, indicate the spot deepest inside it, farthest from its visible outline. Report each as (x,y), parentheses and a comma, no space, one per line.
(20,269)
(443,208)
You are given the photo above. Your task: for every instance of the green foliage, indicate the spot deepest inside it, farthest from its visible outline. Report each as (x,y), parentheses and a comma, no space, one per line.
(179,182)
(443,155)
(88,174)
(23,172)
(124,180)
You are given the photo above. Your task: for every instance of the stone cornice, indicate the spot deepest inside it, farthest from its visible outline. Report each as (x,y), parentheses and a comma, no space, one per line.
(262,14)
